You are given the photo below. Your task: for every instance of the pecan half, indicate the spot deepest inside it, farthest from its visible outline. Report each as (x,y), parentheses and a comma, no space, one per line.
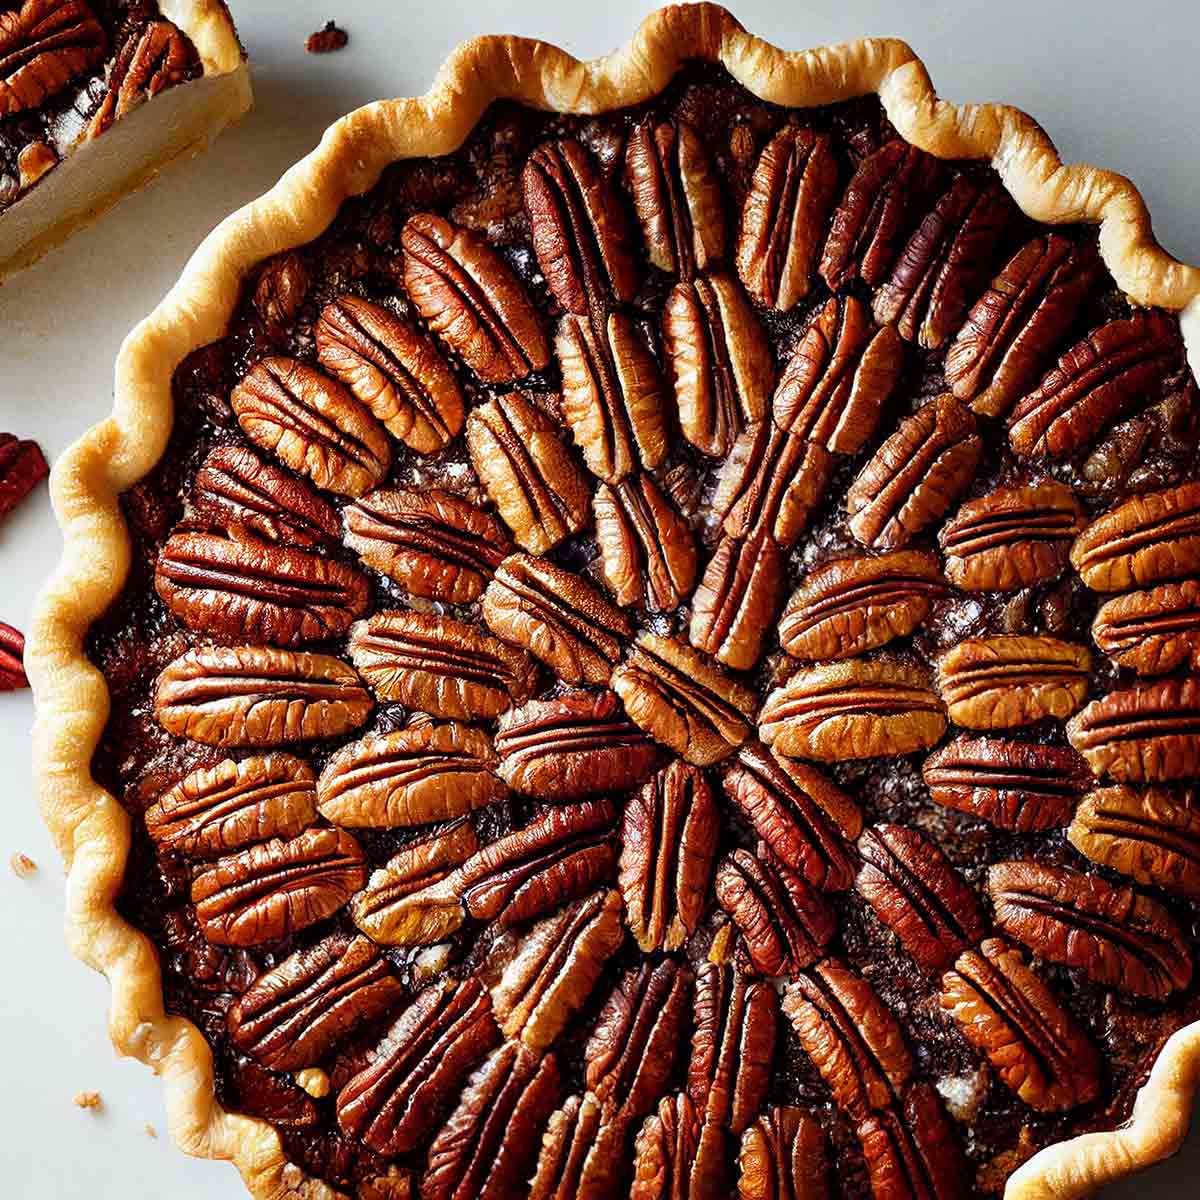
(733,1045)
(882,202)
(396,371)
(805,819)
(529,474)
(632,1050)
(771,481)
(677,197)
(234,487)
(1141,541)
(912,1151)
(258,696)
(292,1015)
(556,616)
(916,892)
(439,665)
(471,300)
(1011,538)
(44,44)
(720,360)
(281,290)
(945,264)
(683,699)
(236,587)
(1147,834)
(580,234)
(856,709)
(1095,382)
(646,546)
(487,1146)
(427,772)
(851,1036)
(678,1155)
(434,544)
(784,216)
(273,889)
(149,62)
(1021,786)
(313,425)
(556,968)
(611,394)
(852,605)
(234,804)
(785,924)
(668,841)
(839,377)
(575,745)
(418,1067)
(1154,631)
(1115,935)
(581,1153)
(915,475)
(784,1157)
(1002,682)
(22,466)
(737,598)
(1014,326)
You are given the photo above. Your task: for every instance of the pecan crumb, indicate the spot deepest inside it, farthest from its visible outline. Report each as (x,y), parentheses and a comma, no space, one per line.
(151,1132)
(87,1100)
(327,40)
(314,1081)
(23,867)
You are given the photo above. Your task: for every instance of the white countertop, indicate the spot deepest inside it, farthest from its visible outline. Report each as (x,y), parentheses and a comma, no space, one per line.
(1112,82)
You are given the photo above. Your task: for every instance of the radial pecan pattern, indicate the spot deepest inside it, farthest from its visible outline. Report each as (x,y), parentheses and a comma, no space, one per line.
(43,45)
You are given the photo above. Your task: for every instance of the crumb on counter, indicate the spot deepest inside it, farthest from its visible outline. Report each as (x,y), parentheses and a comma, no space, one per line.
(23,867)
(327,40)
(151,1132)
(88,1100)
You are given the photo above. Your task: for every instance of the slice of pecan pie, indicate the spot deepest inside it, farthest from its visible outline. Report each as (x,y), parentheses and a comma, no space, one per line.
(657,657)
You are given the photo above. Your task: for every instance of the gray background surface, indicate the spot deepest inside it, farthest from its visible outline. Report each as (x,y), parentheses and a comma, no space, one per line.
(1113,82)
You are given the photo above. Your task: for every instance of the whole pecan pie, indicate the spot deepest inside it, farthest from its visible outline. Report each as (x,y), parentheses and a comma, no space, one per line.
(633,634)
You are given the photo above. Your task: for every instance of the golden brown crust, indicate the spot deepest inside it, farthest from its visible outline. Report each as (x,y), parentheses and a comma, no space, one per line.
(91,828)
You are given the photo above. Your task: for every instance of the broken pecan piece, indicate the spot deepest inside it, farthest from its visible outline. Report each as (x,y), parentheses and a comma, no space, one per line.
(258,696)
(784,216)
(839,377)
(784,1157)
(668,841)
(682,699)
(44,44)
(441,666)
(720,360)
(1115,935)
(149,62)
(915,475)
(856,709)
(679,1156)
(237,587)
(1154,631)
(313,425)
(574,745)
(273,889)
(292,1015)
(22,464)
(233,805)
(581,1153)
(529,474)
(12,655)
(852,605)
(912,1151)
(1011,680)
(471,300)
(916,892)
(558,617)
(1020,786)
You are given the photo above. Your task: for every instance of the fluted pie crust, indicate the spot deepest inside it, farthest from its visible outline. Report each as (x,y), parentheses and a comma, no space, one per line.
(91,827)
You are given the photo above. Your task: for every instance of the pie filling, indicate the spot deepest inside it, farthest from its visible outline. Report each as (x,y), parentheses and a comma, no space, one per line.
(658,661)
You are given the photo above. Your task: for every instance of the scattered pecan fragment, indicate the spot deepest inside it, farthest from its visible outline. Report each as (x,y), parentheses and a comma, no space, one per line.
(581,1154)
(34,161)
(1009,1014)
(784,216)
(292,1015)
(12,655)
(326,40)
(21,865)
(855,709)
(839,377)
(915,475)
(258,696)
(1020,786)
(912,1151)
(679,1155)
(151,61)
(1116,936)
(44,44)
(1153,631)
(22,466)
(470,298)
(784,1157)
(1011,680)
(668,841)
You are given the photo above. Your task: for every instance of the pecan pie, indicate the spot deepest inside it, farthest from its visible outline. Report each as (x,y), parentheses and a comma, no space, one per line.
(657,657)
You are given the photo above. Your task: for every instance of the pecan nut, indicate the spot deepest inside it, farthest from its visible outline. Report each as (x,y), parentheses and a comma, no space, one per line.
(281,290)
(915,475)
(149,62)
(784,216)
(22,466)
(44,44)
(678,1154)
(313,425)
(855,709)
(470,298)
(276,888)
(1153,631)
(911,1150)
(12,655)
(784,1157)
(258,696)
(581,1152)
